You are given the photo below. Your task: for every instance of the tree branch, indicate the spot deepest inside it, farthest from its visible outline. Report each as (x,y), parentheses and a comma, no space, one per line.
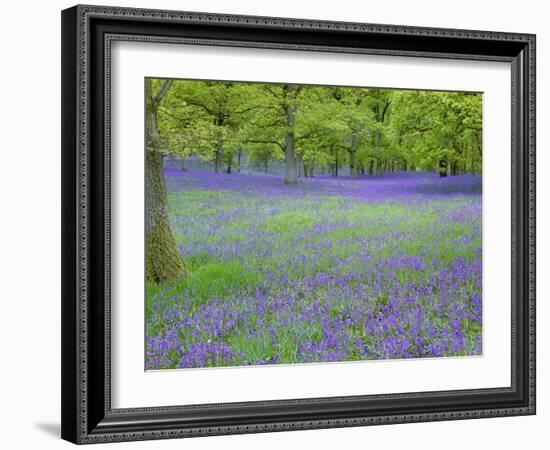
(386,106)
(198,104)
(186,121)
(268,89)
(261,141)
(162,92)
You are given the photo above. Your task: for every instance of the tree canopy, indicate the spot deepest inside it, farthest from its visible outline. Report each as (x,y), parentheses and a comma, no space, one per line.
(315,129)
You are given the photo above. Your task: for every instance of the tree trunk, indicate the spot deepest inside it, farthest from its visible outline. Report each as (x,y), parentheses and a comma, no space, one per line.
(352,164)
(336,163)
(301,166)
(353,155)
(239,152)
(163,259)
(454,169)
(218,157)
(378,150)
(184,165)
(442,168)
(371,167)
(291,176)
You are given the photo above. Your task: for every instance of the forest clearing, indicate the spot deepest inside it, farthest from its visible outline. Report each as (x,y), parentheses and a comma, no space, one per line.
(333,270)
(310,224)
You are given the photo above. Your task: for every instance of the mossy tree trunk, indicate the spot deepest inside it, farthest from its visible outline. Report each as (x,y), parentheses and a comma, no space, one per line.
(163,260)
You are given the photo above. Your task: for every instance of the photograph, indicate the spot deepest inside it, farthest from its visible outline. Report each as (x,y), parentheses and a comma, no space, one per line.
(292,224)
(292,219)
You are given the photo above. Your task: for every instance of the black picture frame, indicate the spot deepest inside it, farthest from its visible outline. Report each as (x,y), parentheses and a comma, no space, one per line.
(87,32)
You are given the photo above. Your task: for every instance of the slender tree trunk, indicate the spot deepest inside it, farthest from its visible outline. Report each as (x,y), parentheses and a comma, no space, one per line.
(184,165)
(454,169)
(371,167)
(378,151)
(336,162)
(239,152)
(163,259)
(301,166)
(442,168)
(352,164)
(291,176)
(353,155)
(218,157)
(229,162)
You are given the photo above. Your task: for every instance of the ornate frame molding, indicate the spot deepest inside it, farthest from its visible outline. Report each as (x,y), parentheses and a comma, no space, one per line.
(80,418)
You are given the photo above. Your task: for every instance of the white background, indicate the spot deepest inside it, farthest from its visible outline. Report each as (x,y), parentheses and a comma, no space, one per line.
(30,226)
(132,387)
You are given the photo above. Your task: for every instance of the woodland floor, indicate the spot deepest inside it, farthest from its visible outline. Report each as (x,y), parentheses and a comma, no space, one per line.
(332,269)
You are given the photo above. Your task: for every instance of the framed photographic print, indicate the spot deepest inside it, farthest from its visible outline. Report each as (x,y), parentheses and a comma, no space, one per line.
(278,224)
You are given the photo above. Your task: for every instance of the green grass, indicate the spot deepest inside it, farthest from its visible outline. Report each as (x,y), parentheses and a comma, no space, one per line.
(235,244)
